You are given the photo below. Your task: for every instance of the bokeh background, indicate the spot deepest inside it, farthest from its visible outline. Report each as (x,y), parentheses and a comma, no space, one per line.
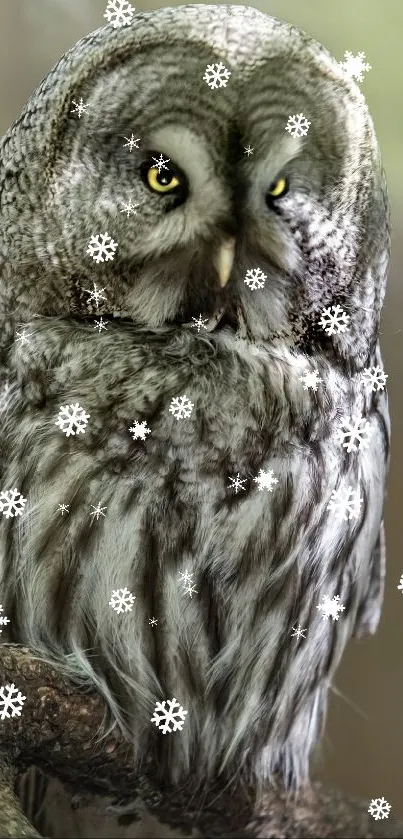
(363,747)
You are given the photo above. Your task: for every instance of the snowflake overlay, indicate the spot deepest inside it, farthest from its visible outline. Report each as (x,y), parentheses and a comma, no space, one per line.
(354,65)
(122,600)
(98,511)
(80,108)
(311,380)
(255,278)
(159,163)
(72,417)
(354,433)
(216,75)
(129,208)
(297,125)
(236,483)
(181,407)
(199,322)
(165,717)
(400,587)
(119,13)
(131,143)
(375,377)
(330,607)
(185,577)
(334,320)
(266,480)
(63,508)
(95,295)
(11,503)
(153,621)
(248,150)
(189,587)
(139,430)
(346,502)
(23,337)
(102,247)
(8,702)
(3,620)
(298,632)
(379,808)
(100,324)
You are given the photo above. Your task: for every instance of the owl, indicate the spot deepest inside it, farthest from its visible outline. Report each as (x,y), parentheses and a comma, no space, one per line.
(194,249)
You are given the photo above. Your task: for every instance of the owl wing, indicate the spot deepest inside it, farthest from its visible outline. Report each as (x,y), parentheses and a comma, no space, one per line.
(369,611)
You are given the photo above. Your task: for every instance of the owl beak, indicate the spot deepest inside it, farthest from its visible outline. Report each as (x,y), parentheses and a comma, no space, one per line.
(224,260)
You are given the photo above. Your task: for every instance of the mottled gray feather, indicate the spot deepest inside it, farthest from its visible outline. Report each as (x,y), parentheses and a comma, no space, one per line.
(262,562)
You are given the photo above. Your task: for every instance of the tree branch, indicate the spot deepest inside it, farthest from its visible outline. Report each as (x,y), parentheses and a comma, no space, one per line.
(58,731)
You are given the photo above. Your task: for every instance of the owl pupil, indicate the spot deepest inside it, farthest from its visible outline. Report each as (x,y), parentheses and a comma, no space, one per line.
(164,179)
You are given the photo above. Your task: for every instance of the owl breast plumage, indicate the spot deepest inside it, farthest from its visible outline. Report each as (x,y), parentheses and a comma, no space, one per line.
(216,475)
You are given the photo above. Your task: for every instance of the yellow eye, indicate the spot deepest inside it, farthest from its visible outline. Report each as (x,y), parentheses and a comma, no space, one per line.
(164,181)
(278,188)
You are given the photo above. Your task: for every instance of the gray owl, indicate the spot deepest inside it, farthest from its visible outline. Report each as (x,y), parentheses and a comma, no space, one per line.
(194,428)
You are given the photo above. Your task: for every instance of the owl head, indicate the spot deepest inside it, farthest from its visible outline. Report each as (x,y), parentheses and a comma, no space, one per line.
(229,214)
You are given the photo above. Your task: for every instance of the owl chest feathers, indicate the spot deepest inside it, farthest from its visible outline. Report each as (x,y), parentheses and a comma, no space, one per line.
(214,554)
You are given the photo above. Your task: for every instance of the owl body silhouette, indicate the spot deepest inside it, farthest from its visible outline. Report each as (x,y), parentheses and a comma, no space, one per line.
(223,515)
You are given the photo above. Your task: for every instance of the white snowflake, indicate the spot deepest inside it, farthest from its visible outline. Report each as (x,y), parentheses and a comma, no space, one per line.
(122,600)
(3,620)
(379,808)
(63,508)
(102,247)
(159,163)
(266,480)
(139,430)
(95,295)
(354,65)
(98,511)
(248,150)
(153,621)
(72,417)
(199,322)
(236,483)
(129,208)
(346,502)
(330,607)
(354,433)
(80,108)
(119,13)
(216,75)
(100,324)
(165,717)
(9,702)
(11,503)
(311,380)
(334,320)
(23,337)
(190,589)
(297,125)
(131,143)
(400,587)
(375,377)
(298,632)
(185,577)
(255,278)
(181,407)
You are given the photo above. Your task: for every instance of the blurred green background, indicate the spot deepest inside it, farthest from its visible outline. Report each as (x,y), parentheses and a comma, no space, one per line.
(363,747)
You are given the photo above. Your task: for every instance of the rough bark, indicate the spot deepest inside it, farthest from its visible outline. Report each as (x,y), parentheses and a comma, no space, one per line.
(58,731)
(12,819)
